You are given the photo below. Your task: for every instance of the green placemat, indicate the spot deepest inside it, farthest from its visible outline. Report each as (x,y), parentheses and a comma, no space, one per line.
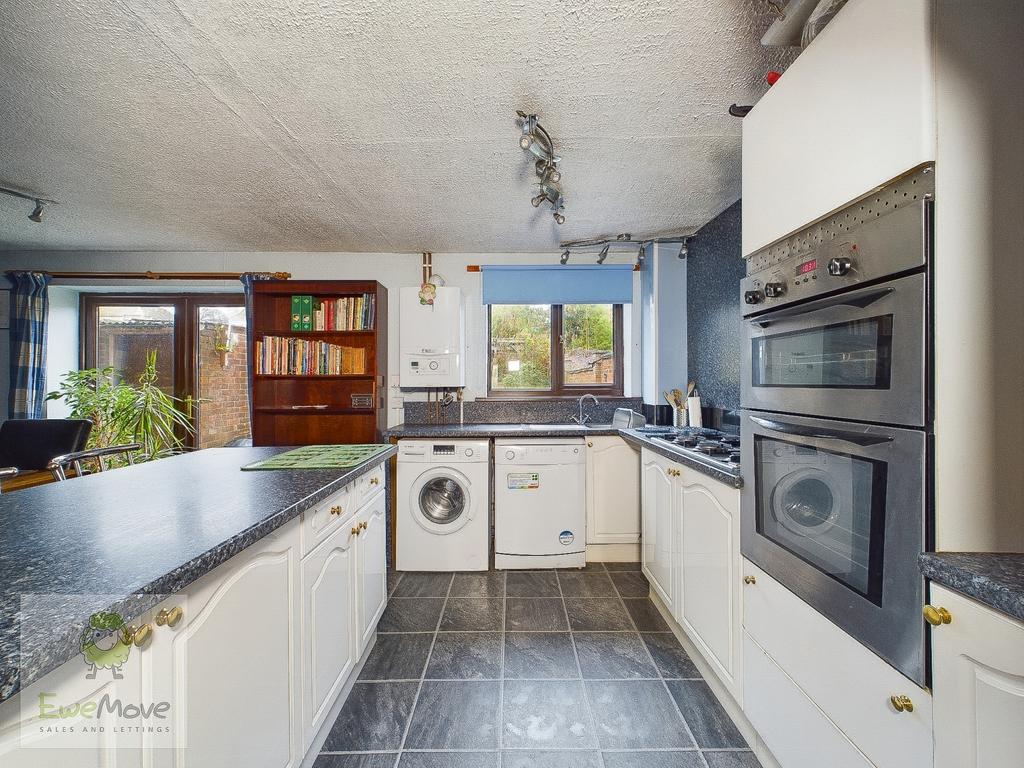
(320,457)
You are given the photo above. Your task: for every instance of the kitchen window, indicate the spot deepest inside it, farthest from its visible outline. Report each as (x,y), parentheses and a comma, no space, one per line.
(555,350)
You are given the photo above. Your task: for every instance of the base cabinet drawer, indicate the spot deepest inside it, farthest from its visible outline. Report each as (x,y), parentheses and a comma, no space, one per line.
(798,734)
(847,682)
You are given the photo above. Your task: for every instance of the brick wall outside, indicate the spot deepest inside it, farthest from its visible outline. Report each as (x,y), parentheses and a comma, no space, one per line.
(222,383)
(603,372)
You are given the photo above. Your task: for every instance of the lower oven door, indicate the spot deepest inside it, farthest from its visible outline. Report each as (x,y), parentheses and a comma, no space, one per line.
(857,355)
(836,513)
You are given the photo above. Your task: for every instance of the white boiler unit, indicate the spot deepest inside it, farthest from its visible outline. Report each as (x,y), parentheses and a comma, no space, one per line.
(431,339)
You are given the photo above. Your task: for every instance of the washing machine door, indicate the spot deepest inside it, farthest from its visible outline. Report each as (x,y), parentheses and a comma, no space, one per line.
(440,500)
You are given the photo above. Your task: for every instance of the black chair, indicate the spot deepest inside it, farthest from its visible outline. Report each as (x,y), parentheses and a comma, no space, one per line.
(29,444)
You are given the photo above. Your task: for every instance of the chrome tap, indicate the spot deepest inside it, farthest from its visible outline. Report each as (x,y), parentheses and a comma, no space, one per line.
(581,419)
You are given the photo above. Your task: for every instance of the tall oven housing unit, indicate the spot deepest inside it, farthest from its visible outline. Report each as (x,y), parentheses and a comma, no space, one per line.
(837,421)
(431,339)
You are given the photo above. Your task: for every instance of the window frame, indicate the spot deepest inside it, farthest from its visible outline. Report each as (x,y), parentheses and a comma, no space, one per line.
(185,339)
(559,388)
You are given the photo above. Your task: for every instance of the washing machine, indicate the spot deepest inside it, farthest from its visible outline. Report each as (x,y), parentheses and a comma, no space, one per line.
(443,498)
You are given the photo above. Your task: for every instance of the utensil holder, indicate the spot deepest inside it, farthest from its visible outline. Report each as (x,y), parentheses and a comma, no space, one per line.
(678,417)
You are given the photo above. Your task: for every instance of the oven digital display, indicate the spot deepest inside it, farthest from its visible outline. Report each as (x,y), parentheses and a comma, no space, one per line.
(807,266)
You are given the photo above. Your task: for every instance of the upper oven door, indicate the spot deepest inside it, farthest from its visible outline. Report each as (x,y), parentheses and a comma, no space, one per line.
(836,513)
(857,355)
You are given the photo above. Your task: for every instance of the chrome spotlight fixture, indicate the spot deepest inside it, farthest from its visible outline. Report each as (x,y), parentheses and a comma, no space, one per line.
(684,248)
(40,202)
(564,258)
(603,254)
(535,139)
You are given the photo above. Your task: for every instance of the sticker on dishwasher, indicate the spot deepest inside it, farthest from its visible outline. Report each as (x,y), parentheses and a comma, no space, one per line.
(566,538)
(523,481)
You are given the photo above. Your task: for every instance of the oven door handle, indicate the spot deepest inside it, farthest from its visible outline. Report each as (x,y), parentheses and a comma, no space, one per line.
(787,428)
(859,300)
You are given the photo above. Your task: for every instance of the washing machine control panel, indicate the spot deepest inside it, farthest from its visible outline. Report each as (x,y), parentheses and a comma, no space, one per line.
(448,450)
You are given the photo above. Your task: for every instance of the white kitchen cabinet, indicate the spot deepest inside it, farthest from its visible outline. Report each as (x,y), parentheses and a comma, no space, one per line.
(234,674)
(328,631)
(711,572)
(371,569)
(660,550)
(978,683)
(613,491)
(856,109)
(845,682)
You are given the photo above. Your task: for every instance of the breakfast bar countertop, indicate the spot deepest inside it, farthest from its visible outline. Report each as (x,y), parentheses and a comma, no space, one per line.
(993,578)
(123,540)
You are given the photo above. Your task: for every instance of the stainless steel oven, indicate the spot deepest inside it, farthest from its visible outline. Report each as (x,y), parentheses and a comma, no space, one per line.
(836,513)
(836,416)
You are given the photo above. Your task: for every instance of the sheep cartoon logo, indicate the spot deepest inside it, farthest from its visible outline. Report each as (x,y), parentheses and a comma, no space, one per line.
(105,643)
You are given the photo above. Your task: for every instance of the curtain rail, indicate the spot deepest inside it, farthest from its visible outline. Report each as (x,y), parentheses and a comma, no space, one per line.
(154,275)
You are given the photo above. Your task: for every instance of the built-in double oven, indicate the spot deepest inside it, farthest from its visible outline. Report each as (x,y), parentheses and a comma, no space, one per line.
(836,417)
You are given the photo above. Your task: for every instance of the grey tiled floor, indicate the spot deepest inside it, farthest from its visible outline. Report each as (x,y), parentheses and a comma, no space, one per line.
(545,669)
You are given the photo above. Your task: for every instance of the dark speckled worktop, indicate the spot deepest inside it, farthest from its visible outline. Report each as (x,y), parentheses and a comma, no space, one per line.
(993,578)
(122,540)
(632,436)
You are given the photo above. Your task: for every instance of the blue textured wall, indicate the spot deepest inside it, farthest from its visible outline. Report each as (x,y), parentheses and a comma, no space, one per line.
(713,272)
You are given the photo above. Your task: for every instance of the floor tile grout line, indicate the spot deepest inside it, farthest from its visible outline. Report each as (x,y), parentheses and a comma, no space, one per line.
(579,669)
(419,688)
(671,698)
(501,666)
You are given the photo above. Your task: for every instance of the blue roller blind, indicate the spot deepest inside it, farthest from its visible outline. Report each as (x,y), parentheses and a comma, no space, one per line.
(557,284)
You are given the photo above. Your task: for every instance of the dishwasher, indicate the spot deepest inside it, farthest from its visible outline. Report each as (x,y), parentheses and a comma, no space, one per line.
(540,515)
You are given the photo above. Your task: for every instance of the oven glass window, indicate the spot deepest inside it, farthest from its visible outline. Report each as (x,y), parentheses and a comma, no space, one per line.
(853,355)
(826,508)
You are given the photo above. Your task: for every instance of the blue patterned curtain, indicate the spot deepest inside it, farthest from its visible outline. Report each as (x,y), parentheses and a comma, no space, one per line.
(248,280)
(29,305)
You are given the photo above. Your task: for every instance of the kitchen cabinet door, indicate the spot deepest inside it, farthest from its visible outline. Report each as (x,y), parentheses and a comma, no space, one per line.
(328,625)
(613,491)
(711,573)
(371,570)
(234,675)
(659,510)
(978,685)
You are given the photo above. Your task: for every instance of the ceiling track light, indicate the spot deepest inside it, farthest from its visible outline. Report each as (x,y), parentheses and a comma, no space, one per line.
(564,258)
(603,254)
(684,248)
(40,203)
(535,139)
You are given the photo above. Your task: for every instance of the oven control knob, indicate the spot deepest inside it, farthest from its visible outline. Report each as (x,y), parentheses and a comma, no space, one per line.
(510,455)
(839,266)
(752,297)
(774,290)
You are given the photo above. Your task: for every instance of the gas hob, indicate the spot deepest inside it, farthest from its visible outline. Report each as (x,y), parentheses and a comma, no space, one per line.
(718,449)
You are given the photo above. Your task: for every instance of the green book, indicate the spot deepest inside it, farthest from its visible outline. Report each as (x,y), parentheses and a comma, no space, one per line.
(296,313)
(307,313)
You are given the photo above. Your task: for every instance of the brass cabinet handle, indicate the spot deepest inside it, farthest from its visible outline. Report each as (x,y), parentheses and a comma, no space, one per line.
(674,472)
(170,617)
(590,445)
(750,579)
(336,510)
(364,525)
(140,635)
(901,703)
(937,615)
(374,481)
(355,530)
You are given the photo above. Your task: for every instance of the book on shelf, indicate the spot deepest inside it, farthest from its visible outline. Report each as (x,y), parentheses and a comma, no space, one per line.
(349,313)
(290,356)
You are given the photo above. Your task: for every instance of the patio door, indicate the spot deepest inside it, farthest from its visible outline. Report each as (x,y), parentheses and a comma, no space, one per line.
(199,341)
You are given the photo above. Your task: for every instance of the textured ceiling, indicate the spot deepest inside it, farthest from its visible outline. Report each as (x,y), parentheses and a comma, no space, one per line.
(367,125)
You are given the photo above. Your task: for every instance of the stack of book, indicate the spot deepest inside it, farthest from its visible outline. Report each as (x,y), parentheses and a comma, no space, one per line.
(287,356)
(351,313)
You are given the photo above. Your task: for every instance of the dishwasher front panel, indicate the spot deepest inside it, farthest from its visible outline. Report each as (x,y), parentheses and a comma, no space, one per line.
(540,508)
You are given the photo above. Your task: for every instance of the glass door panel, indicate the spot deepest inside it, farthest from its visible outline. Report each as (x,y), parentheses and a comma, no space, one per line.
(221,387)
(126,334)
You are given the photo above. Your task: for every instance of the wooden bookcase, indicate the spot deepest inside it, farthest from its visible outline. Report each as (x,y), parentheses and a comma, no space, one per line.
(283,412)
